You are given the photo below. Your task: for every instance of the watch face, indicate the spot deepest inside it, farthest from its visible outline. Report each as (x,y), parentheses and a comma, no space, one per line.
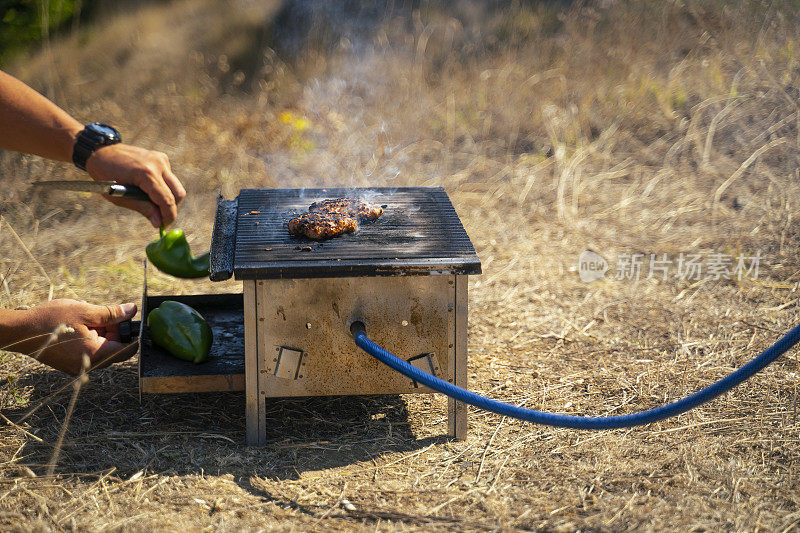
(105,130)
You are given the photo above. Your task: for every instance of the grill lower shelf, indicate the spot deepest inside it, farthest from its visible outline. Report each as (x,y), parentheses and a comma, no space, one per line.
(159,372)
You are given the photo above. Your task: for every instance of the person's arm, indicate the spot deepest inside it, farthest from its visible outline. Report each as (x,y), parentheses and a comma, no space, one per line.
(31,123)
(59,333)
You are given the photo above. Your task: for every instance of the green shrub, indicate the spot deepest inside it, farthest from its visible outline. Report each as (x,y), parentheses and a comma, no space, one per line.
(26,22)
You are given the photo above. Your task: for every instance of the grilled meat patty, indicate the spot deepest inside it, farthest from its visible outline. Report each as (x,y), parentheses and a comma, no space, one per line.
(348,206)
(320,226)
(328,218)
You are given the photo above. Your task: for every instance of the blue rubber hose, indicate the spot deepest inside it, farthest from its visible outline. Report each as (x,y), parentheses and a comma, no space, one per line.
(578,422)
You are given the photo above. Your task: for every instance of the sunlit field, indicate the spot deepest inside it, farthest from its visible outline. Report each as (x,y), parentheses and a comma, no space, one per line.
(662,136)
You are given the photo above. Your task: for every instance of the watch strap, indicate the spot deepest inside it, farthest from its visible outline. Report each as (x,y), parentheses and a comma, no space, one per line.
(88,141)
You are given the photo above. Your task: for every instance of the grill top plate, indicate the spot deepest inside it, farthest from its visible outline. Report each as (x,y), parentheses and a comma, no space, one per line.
(419,233)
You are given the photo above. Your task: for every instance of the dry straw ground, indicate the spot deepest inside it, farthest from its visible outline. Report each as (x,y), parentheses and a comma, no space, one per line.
(649,127)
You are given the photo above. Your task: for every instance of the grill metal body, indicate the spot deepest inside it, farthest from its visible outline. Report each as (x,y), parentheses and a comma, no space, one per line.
(404,275)
(297,340)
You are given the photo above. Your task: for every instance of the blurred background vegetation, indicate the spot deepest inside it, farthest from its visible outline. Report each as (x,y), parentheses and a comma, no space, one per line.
(25,23)
(661,127)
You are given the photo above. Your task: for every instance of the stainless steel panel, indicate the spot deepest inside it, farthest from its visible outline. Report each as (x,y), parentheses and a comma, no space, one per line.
(408,316)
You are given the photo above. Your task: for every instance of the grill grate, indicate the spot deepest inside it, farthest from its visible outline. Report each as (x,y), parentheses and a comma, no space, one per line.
(418,233)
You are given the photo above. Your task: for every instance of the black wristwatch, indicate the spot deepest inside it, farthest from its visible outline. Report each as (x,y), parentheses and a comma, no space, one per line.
(93,137)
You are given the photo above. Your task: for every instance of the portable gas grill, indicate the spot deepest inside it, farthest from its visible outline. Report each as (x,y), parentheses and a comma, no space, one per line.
(288,334)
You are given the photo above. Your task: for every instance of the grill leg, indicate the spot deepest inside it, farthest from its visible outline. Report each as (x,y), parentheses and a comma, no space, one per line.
(457,411)
(255,411)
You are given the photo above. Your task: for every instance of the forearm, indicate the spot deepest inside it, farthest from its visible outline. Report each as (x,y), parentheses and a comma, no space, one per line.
(15,331)
(31,123)
(64,333)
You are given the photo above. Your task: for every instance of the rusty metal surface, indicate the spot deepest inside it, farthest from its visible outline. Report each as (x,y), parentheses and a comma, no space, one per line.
(419,233)
(408,316)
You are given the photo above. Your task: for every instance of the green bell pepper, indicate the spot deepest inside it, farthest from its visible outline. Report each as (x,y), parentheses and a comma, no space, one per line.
(180,330)
(170,254)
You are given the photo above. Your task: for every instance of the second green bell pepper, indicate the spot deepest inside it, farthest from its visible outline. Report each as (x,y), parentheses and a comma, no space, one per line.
(171,255)
(180,330)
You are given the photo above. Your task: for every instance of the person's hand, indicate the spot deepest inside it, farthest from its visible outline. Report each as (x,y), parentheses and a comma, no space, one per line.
(81,328)
(148,170)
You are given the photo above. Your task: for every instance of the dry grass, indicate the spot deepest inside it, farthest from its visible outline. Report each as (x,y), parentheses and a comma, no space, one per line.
(624,128)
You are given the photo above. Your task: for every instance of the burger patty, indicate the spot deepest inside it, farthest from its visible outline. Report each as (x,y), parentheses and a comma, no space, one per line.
(329,218)
(320,226)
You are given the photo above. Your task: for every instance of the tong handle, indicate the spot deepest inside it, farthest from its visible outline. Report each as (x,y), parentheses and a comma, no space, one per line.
(129,330)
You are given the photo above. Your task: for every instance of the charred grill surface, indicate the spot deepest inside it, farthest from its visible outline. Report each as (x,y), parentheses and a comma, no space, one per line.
(329,218)
(419,233)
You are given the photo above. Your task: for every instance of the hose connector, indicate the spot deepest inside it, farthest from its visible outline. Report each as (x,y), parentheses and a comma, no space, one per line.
(357,327)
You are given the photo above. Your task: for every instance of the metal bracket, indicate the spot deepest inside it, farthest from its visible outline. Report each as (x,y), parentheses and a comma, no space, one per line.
(287,363)
(142,323)
(427,363)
